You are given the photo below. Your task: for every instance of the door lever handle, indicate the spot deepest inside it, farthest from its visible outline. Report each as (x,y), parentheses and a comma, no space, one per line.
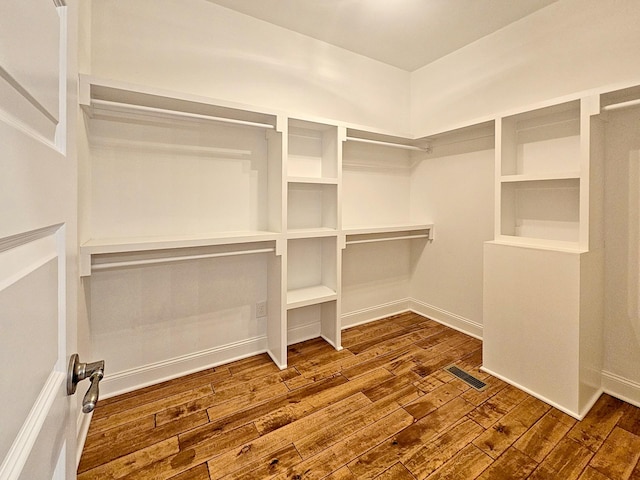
(77,372)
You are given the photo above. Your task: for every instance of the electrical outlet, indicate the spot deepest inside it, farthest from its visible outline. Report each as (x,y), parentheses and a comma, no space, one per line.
(261,309)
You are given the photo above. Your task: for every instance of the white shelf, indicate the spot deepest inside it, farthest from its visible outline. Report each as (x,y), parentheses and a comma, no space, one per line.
(98,95)
(140,244)
(311,233)
(304,297)
(538,244)
(388,233)
(365,230)
(534,177)
(401,146)
(313,180)
(149,244)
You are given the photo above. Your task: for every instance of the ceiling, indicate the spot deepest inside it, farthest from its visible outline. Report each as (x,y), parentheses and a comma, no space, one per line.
(407,34)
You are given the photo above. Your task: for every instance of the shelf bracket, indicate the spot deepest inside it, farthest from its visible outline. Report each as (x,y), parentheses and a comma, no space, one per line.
(279,246)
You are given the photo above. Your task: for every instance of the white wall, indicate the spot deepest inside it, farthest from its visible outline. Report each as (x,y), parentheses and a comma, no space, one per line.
(201,48)
(456,194)
(155,314)
(567,47)
(622,249)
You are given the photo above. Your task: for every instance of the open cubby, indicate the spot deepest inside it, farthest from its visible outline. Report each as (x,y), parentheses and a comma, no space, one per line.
(376,184)
(162,176)
(539,176)
(543,209)
(311,206)
(313,150)
(542,142)
(312,321)
(312,275)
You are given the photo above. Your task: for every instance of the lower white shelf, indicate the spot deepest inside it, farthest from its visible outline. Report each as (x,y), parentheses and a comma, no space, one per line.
(303,297)
(355,235)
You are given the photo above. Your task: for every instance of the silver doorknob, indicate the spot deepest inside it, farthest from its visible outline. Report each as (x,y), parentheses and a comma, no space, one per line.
(77,372)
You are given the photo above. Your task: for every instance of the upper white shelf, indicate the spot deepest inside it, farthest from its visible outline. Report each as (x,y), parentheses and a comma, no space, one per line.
(296,233)
(382,143)
(365,230)
(534,177)
(99,96)
(313,180)
(374,234)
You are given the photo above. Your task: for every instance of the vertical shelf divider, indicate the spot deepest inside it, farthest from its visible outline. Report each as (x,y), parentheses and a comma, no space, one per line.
(276,287)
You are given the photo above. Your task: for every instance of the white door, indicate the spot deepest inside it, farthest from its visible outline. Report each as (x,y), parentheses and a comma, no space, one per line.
(37,243)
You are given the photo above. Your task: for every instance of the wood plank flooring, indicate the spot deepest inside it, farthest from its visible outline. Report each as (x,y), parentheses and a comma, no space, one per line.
(382,408)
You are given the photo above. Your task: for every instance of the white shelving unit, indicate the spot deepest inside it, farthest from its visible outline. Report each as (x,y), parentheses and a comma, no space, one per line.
(313,222)
(539,171)
(543,281)
(174,180)
(169,171)
(176,188)
(382,241)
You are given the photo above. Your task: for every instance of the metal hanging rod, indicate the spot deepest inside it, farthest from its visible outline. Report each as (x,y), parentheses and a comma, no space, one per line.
(436,144)
(618,106)
(387,144)
(176,113)
(386,239)
(152,261)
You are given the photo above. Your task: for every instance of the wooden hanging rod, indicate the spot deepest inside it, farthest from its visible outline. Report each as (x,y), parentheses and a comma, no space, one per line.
(176,113)
(152,261)
(387,144)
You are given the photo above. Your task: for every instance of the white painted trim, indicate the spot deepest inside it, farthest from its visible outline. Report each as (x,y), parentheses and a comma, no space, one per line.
(25,440)
(330,342)
(153,373)
(281,366)
(449,319)
(377,312)
(303,333)
(571,413)
(592,401)
(621,388)
(82,429)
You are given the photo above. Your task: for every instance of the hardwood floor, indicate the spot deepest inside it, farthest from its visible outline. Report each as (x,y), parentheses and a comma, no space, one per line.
(382,408)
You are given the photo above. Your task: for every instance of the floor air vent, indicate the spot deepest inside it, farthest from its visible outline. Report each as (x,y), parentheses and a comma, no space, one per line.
(466,377)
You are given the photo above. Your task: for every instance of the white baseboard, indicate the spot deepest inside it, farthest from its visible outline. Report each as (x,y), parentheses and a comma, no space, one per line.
(621,388)
(370,314)
(449,319)
(569,412)
(135,378)
(303,333)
